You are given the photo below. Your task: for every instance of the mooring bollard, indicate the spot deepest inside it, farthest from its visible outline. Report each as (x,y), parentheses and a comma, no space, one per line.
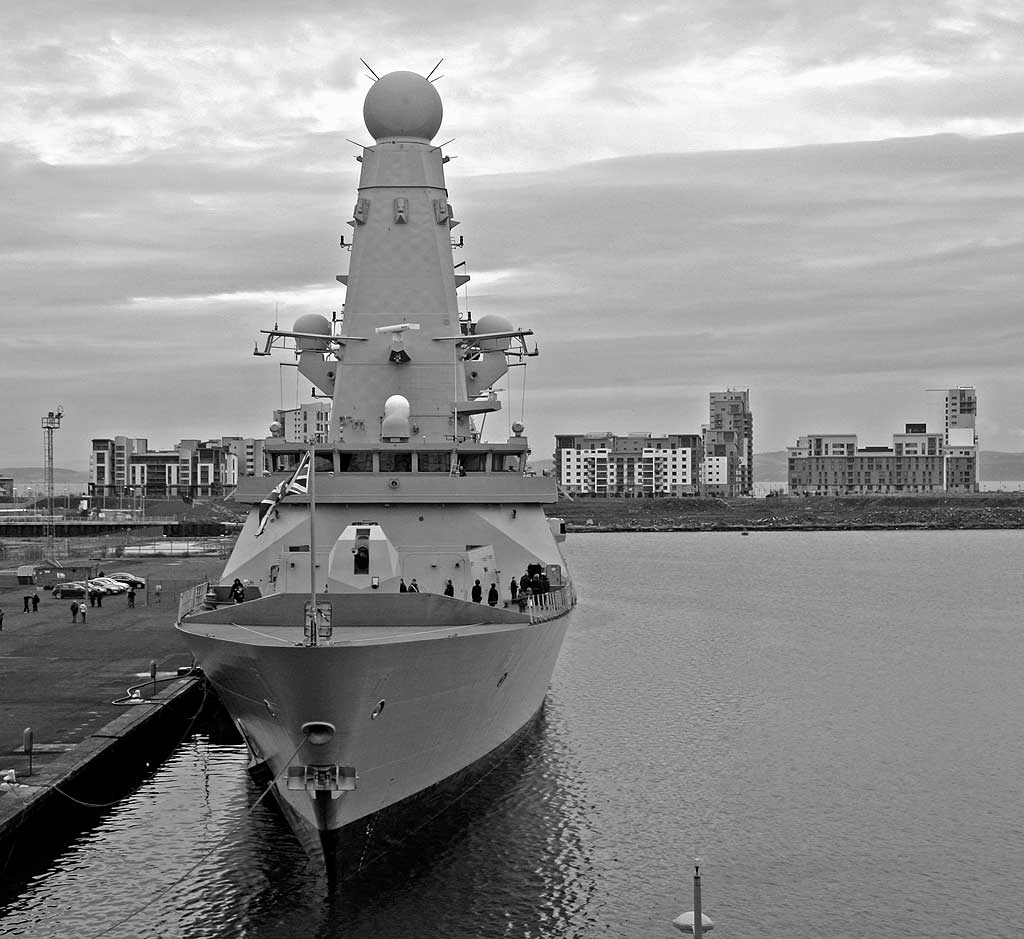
(26,742)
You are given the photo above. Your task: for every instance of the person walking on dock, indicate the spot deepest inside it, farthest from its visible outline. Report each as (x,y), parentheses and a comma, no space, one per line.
(28,600)
(131,598)
(513,588)
(492,595)
(81,609)
(74,611)
(35,602)
(157,590)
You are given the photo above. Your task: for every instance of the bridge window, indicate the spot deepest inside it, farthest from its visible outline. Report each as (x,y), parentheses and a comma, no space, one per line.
(434,462)
(506,462)
(360,461)
(391,462)
(473,462)
(284,462)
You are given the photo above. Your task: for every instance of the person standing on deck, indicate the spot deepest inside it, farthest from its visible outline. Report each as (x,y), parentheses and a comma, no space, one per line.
(401,585)
(478,592)
(513,588)
(449,588)
(492,595)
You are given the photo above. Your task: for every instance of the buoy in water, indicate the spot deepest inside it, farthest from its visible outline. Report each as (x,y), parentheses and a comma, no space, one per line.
(684,922)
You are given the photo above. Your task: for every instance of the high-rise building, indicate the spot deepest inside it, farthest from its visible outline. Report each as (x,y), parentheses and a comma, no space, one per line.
(728,440)
(637,465)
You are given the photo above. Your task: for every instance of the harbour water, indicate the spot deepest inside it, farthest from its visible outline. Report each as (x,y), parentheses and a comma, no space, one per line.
(829,720)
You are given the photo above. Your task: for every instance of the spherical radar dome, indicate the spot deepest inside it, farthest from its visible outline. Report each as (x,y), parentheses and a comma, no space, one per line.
(312,323)
(402,104)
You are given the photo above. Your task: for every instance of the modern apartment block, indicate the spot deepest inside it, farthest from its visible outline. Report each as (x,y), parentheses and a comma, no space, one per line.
(638,465)
(251,454)
(728,442)
(308,423)
(123,465)
(917,461)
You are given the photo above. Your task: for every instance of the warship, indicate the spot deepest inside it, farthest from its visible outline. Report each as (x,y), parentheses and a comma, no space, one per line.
(386,626)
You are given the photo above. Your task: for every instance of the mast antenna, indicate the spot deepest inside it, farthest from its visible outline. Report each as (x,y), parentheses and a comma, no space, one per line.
(376,77)
(434,69)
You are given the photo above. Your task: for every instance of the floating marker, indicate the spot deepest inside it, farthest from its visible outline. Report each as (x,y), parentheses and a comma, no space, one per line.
(694,922)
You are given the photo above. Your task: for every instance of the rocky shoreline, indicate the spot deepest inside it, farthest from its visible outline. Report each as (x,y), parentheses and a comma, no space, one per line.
(988,510)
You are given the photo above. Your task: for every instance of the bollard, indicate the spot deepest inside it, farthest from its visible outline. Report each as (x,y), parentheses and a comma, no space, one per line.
(26,741)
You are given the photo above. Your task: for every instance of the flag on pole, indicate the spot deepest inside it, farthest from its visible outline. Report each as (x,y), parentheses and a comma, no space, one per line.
(297,482)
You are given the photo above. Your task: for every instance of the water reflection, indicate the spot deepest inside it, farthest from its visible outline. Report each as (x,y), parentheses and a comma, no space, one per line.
(195,852)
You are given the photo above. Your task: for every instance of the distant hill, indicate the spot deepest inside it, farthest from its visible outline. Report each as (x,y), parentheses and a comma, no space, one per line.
(27,475)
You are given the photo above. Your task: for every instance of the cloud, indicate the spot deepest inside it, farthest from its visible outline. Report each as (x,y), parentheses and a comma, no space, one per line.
(637,184)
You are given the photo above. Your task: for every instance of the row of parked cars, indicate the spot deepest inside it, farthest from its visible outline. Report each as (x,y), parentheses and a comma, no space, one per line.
(110,584)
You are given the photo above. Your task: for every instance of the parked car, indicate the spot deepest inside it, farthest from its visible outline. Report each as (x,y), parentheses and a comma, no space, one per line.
(72,588)
(109,585)
(132,580)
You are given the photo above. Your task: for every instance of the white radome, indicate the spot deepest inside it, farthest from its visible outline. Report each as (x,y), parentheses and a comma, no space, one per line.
(403,104)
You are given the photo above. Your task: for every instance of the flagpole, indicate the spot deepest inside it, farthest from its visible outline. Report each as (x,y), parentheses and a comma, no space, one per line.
(312,545)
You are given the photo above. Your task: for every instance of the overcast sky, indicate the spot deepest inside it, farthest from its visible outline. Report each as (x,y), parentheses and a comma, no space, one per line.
(821,202)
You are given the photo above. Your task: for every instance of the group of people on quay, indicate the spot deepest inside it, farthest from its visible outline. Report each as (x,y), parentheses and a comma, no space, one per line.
(31,600)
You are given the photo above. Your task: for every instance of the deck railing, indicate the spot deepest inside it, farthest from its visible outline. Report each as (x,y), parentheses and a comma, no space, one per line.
(545,606)
(192,599)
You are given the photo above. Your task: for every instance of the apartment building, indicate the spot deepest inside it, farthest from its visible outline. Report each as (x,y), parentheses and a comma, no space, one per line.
(122,465)
(636,465)
(918,460)
(728,443)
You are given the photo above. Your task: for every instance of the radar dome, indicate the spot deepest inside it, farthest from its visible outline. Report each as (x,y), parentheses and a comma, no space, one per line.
(493,323)
(312,323)
(402,104)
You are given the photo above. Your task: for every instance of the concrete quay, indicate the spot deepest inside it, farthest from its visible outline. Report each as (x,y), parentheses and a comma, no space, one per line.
(62,679)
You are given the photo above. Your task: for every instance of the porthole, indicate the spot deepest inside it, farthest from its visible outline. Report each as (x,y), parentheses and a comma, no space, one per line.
(393,483)
(377,710)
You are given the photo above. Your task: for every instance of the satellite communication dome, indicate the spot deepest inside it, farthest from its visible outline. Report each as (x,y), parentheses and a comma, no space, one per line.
(493,323)
(275,429)
(402,104)
(312,323)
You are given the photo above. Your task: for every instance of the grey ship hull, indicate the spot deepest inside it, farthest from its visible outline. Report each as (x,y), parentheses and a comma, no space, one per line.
(418,707)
